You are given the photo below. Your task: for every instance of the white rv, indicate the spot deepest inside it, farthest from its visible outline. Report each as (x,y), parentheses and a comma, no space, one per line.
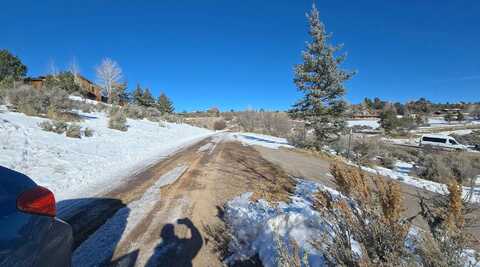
(441,141)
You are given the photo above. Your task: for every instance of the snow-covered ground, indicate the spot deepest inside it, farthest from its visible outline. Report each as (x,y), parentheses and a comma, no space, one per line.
(374,123)
(258,227)
(260,140)
(401,174)
(73,167)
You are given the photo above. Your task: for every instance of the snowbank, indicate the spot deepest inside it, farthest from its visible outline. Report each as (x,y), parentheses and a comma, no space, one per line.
(260,140)
(257,225)
(77,167)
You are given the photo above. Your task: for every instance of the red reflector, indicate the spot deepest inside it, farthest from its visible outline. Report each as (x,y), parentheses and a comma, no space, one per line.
(38,200)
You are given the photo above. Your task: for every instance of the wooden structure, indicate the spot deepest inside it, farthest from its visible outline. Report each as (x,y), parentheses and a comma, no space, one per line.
(94,92)
(36,83)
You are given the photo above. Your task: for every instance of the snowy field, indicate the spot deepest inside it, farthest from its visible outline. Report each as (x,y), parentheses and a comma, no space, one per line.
(373,123)
(73,167)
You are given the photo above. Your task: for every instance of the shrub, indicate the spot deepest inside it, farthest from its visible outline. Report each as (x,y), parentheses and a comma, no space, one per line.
(153,114)
(118,120)
(60,127)
(443,167)
(219,125)
(272,123)
(88,132)
(74,131)
(301,138)
(228,116)
(172,118)
(33,102)
(162,124)
(387,161)
(56,126)
(135,112)
(374,220)
(47,126)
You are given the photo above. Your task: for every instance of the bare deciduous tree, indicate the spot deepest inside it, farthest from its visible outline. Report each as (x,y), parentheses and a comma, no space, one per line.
(109,73)
(52,68)
(74,68)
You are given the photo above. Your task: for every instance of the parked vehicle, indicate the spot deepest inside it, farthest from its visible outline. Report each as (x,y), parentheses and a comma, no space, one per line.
(441,141)
(30,234)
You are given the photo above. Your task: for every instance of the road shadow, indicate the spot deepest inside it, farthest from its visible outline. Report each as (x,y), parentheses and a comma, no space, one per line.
(98,225)
(175,251)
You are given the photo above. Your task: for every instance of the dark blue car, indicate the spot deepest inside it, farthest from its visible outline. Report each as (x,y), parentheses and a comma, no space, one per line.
(30,234)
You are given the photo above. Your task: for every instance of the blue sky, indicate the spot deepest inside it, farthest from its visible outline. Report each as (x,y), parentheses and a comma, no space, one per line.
(238,54)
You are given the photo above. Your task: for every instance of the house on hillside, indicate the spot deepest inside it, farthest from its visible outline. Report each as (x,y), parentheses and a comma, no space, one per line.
(36,82)
(94,92)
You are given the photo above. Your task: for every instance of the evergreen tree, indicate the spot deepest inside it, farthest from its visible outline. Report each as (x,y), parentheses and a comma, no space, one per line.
(321,80)
(10,66)
(388,120)
(147,98)
(137,96)
(164,104)
(460,116)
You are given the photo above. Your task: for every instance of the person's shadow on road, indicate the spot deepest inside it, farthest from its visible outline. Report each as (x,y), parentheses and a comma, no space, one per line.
(175,251)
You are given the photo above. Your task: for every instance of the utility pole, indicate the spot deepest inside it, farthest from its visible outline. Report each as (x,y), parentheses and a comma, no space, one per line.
(349,143)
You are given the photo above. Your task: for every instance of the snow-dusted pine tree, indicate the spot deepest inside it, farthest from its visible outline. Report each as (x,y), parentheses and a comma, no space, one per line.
(321,80)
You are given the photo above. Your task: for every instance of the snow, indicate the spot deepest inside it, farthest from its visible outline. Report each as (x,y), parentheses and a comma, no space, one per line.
(100,245)
(373,123)
(260,140)
(457,132)
(401,174)
(257,225)
(89,101)
(73,167)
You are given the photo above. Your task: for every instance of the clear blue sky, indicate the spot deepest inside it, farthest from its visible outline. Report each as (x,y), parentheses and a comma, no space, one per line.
(235,54)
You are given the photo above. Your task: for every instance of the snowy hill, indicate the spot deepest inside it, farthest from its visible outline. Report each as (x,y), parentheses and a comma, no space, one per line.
(73,167)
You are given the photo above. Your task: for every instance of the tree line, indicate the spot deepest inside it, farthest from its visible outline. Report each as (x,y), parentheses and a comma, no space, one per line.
(109,75)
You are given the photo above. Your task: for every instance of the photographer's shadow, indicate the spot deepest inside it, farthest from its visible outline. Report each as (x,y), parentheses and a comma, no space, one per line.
(175,251)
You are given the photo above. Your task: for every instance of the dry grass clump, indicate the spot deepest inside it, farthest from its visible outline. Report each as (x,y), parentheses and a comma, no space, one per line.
(446,240)
(372,219)
(288,254)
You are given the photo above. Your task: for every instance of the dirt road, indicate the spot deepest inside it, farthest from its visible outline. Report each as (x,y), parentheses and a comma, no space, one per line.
(164,215)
